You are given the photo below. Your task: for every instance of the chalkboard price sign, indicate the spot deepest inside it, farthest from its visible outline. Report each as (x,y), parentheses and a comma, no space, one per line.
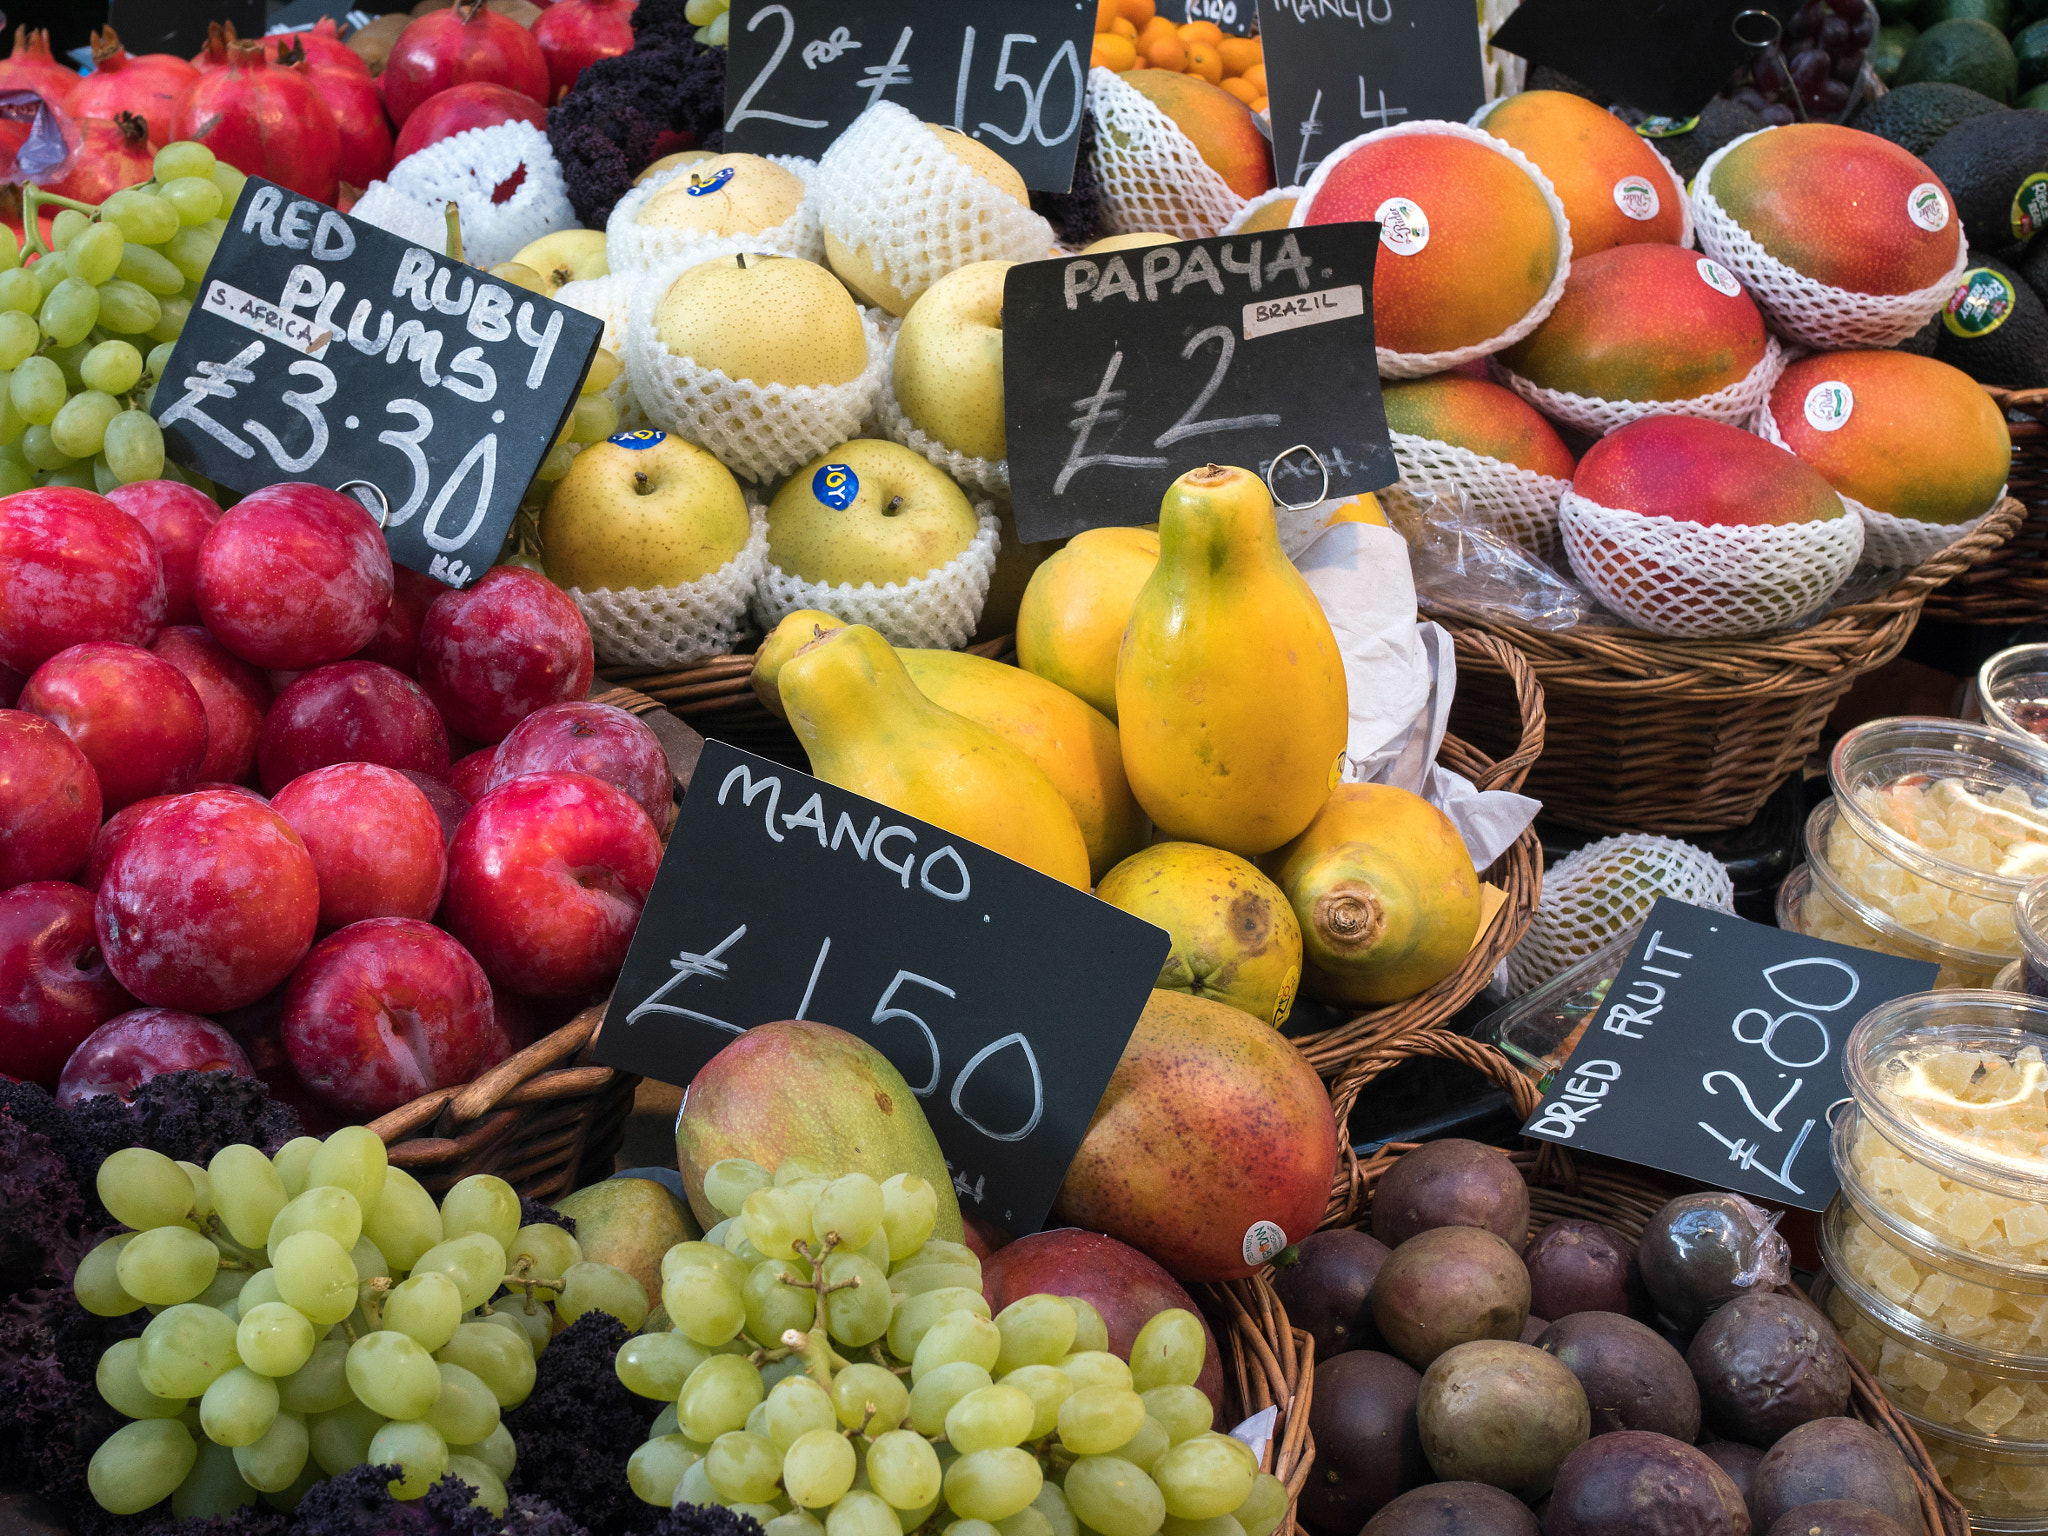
(1014,76)
(1003,996)
(326,349)
(1233,16)
(1124,370)
(1339,68)
(1718,1053)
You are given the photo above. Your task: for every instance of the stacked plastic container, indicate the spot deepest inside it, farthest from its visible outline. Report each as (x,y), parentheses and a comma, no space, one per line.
(1937,1246)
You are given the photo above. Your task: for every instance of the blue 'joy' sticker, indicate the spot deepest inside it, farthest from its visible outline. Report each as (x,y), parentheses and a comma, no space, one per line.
(706,188)
(836,485)
(646,437)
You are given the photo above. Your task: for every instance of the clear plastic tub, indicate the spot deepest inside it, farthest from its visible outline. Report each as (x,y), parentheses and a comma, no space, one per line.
(1813,902)
(1539,1032)
(2012,690)
(2030,916)
(2005,1489)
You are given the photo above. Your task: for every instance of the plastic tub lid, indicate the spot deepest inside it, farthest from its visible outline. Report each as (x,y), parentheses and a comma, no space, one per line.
(2009,683)
(1539,1031)
(1909,942)
(1894,1065)
(1912,750)
(2030,917)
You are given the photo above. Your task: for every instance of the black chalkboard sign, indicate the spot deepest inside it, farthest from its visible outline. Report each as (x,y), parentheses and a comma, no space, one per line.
(1718,1053)
(1668,56)
(1339,68)
(176,27)
(325,349)
(1233,16)
(1013,76)
(1124,370)
(1003,996)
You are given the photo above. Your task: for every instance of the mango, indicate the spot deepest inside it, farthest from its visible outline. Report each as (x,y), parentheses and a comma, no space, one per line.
(1703,472)
(630,1223)
(1221,127)
(796,631)
(1072,744)
(1614,188)
(1235,938)
(798,1089)
(867,728)
(1070,623)
(1476,414)
(1212,1148)
(1229,687)
(1385,893)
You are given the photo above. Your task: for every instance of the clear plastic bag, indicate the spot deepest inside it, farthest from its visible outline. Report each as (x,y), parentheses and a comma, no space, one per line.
(53,140)
(1458,558)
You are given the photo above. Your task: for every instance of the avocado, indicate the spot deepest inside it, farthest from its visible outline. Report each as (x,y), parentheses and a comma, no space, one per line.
(1930,13)
(1922,342)
(2030,47)
(1996,169)
(2034,267)
(1891,12)
(1721,121)
(1963,52)
(2035,100)
(1995,328)
(1915,117)
(1890,49)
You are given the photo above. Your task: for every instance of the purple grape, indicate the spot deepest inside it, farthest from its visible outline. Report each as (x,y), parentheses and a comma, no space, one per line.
(1808,71)
(1829,99)
(1863,30)
(1777,116)
(1806,23)
(1847,66)
(1834,32)
(1848,10)
(1751,98)
(1769,74)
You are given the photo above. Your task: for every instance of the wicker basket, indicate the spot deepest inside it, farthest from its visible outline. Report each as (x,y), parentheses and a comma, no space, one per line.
(2011,586)
(1654,734)
(1268,1363)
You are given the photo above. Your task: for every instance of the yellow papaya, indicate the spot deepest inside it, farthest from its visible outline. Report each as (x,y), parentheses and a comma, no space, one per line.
(1071,619)
(1235,938)
(1229,685)
(796,630)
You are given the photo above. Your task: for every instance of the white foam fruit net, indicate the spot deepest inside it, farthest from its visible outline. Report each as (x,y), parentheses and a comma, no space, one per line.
(1706,581)
(757,431)
(887,185)
(1683,200)
(1889,541)
(402,214)
(1252,209)
(937,611)
(467,168)
(1152,176)
(1518,504)
(1417,365)
(1592,897)
(674,626)
(1735,404)
(1802,308)
(607,299)
(633,247)
(983,476)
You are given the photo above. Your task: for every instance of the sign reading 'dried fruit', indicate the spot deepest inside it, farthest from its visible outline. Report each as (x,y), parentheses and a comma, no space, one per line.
(325,349)
(1003,996)
(1718,1053)
(1012,76)
(1339,68)
(1123,370)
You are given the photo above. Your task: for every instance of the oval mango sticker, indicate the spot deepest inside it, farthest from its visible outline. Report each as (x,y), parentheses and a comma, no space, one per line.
(1828,405)
(836,485)
(1927,206)
(1404,227)
(1636,197)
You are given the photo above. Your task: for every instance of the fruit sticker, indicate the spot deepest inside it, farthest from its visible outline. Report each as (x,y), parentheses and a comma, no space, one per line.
(1634,196)
(1927,206)
(836,485)
(646,437)
(1404,229)
(1828,405)
(1262,1240)
(2030,206)
(698,188)
(1666,127)
(1979,305)
(1718,277)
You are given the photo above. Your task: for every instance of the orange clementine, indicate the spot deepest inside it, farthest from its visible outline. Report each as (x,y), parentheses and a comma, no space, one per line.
(1200,32)
(1255,77)
(1137,12)
(1123,28)
(1240,54)
(1106,11)
(1240,90)
(1259,105)
(1114,51)
(1095,58)
(1205,61)
(1167,52)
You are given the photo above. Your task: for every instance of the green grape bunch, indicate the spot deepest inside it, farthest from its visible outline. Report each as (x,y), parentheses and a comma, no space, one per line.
(831,1369)
(315,1311)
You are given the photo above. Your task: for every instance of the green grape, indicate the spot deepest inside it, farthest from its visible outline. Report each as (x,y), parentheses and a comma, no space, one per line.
(1183,1411)
(316,1275)
(862,1513)
(183,158)
(916,1315)
(190,252)
(19,477)
(353,1159)
(369,1262)
(934,1396)
(1147,1445)
(850,1206)
(1090,1332)
(795,1169)
(230,181)
(81,426)
(103,481)
(817,1469)
(426,1308)
(654,1469)
(202,1186)
(487,1489)
(1205,1476)
(502,1360)
(67,226)
(1216,1525)
(237,1407)
(717,1398)
(957,1336)
(757,1422)
(594,1287)
(1047,1386)
(495,1451)
(157,271)
(475,1261)
(184,1349)
(166,1265)
(142,216)
(214,1486)
(141,1188)
(870,1398)
(745,1467)
(74,474)
(1028,1521)
(704,1255)
(97,1283)
(1036,1330)
(904,1469)
(664,1422)
(172,311)
(273,1463)
(195,198)
(128,309)
(555,465)
(701,13)
(11,425)
(139,1464)
(20,292)
(776,1220)
(938,1250)
(532,1322)
(605,367)
(41,450)
(797,1522)
(935,1277)
(71,309)
(972,1528)
(404,1223)
(795,1407)
(1266,1506)
(729,1181)
(121,1385)
(10,255)
(704,1304)
(1169,1350)
(657,1364)
(95,256)
(274,1339)
(542,1249)
(466,1411)
(321,1384)
(341,1439)
(910,1209)
(857,1309)
(1096,1420)
(773,1306)
(248,1194)
(808,1191)
(995,1484)
(292,1160)
(482,1203)
(1096,1368)
(416,1449)
(991,1417)
(19,335)
(390,1374)
(1109,1495)
(48,273)
(594,419)
(1051,1503)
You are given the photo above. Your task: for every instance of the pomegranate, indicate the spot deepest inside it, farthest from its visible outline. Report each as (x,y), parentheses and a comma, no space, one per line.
(479,104)
(264,119)
(467,42)
(323,47)
(145,84)
(31,68)
(219,34)
(111,155)
(575,33)
(358,108)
